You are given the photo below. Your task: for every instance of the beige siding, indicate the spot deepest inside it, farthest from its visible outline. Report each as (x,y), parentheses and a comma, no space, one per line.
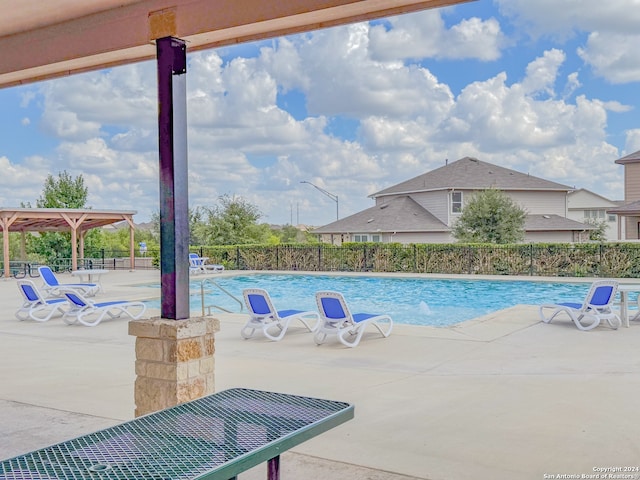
(583,200)
(548,237)
(538,203)
(406,238)
(632,182)
(437,203)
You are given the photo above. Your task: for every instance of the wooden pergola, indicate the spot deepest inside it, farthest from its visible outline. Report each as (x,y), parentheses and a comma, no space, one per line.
(76,221)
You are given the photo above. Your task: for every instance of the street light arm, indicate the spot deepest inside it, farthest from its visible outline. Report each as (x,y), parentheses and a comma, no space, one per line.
(332,196)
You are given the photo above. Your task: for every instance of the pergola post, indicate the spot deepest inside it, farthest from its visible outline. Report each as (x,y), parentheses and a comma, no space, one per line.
(6,224)
(174,197)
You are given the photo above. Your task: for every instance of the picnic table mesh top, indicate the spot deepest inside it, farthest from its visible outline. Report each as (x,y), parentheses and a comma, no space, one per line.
(182,442)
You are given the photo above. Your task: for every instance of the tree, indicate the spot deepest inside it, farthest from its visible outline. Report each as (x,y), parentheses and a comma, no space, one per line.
(233,222)
(63,192)
(600,232)
(490,217)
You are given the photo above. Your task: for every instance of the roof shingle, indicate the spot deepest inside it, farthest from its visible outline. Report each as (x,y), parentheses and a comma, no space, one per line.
(472,174)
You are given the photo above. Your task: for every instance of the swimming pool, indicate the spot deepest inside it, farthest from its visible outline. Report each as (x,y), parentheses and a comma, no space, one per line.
(416,301)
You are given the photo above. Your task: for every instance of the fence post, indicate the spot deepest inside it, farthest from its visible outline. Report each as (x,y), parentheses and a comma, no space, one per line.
(364,258)
(238,257)
(600,260)
(320,268)
(531,259)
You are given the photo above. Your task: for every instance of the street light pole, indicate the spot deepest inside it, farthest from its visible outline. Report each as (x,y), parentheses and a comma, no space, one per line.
(332,196)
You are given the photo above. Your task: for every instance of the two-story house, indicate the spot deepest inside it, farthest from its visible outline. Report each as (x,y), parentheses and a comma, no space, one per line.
(424,208)
(629,213)
(589,207)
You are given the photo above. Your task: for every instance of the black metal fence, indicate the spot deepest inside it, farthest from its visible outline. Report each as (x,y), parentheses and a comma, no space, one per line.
(618,260)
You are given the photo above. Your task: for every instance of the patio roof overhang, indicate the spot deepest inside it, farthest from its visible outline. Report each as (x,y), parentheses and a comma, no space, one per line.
(60,37)
(76,221)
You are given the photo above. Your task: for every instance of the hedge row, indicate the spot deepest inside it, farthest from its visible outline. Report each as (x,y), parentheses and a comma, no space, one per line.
(619,260)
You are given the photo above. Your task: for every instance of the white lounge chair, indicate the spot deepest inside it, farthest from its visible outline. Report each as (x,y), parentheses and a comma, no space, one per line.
(264,317)
(595,307)
(90,314)
(336,319)
(54,288)
(35,306)
(198,264)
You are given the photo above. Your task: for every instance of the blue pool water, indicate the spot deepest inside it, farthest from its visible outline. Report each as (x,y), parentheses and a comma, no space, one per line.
(416,301)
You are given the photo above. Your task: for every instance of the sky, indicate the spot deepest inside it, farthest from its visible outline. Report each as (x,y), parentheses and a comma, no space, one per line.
(545,87)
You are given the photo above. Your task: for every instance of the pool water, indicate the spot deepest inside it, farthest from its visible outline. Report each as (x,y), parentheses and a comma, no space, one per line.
(416,301)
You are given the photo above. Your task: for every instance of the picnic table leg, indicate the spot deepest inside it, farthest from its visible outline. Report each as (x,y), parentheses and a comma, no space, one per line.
(273,468)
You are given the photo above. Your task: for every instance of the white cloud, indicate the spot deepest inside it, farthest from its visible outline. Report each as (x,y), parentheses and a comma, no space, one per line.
(564,18)
(20,182)
(633,141)
(424,35)
(542,73)
(613,56)
(611,48)
(341,77)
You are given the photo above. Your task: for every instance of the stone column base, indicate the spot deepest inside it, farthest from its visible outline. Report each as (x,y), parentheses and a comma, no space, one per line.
(174,361)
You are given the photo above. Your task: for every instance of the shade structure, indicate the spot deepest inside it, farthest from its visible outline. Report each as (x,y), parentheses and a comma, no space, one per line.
(76,221)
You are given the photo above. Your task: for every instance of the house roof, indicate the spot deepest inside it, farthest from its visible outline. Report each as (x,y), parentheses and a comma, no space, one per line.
(471,174)
(631,209)
(400,214)
(404,215)
(41,40)
(547,223)
(631,158)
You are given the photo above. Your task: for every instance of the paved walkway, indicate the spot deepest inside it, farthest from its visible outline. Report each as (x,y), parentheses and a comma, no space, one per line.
(501,397)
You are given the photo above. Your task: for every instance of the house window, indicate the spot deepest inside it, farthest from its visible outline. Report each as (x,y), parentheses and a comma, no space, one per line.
(594,214)
(361,238)
(612,218)
(376,238)
(456,202)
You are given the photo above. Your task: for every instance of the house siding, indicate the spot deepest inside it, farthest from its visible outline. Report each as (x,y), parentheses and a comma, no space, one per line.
(549,237)
(422,237)
(631,182)
(541,203)
(437,203)
(583,200)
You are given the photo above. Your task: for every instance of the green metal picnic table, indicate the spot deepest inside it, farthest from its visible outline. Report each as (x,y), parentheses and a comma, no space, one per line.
(214,437)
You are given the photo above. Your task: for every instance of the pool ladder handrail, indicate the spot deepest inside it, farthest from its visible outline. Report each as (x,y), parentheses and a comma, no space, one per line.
(221,288)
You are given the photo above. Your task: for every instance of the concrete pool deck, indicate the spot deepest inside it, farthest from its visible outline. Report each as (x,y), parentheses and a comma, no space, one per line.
(500,397)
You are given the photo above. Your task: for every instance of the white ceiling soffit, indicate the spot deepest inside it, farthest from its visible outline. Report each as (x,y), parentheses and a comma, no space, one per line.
(46,39)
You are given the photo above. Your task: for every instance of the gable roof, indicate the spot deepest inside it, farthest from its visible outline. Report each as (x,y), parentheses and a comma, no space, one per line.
(631,209)
(547,223)
(400,214)
(631,158)
(471,174)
